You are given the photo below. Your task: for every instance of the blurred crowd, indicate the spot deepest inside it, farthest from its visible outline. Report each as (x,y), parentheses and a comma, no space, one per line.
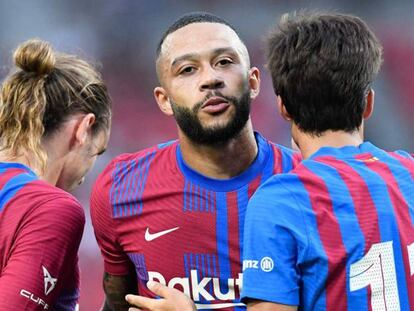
(121,37)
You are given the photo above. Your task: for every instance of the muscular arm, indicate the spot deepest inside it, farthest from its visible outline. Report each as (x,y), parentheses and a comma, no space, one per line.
(116,287)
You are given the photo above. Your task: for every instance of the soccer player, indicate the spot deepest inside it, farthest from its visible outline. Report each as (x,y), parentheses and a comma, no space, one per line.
(174,212)
(54,120)
(337,232)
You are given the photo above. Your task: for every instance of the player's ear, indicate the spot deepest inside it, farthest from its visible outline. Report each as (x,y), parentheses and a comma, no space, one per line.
(163,100)
(369,104)
(83,128)
(254,82)
(282,109)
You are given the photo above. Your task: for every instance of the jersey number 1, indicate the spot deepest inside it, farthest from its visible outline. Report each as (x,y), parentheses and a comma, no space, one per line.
(377,268)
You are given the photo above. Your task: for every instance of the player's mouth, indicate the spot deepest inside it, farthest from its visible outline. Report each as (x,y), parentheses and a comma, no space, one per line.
(215,105)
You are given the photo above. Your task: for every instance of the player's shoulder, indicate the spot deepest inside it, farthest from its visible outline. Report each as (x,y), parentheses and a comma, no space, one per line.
(43,198)
(123,164)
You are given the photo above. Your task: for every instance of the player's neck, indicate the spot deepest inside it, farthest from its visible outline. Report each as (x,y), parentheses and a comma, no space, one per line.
(309,144)
(221,161)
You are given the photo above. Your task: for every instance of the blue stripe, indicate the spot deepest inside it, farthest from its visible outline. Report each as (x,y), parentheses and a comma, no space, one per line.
(190,197)
(187,270)
(166,144)
(191,262)
(316,274)
(128,178)
(195,197)
(202,199)
(140,181)
(404,154)
(138,178)
(212,201)
(387,222)
(185,195)
(214,260)
(405,183)
(114,189)
(207,200)
(130,197)
(287,162)
(151,157)
(222,239)
(269,168)
(352,235)
(124,171)
(13,185)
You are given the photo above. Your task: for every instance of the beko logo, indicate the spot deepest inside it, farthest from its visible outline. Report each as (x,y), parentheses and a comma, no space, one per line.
(34,298)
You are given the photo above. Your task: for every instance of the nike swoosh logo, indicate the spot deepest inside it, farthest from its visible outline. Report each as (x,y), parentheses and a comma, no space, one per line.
(152,236)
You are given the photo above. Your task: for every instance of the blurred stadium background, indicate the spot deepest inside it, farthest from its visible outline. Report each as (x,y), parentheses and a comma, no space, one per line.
(122,36)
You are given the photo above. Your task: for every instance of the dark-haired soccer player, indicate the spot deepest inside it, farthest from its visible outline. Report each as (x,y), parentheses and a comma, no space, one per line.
(337,233)
(174,213)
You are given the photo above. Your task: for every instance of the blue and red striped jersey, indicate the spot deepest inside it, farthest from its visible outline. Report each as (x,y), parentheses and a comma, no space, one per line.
(41,228)
(177,226)
(337,233)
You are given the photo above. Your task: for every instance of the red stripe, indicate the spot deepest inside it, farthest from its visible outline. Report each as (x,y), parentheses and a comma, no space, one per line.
(402,213)
(253,185)
(233,231)
(331,239)
(364,205)
(278,162)
(406,162)
(8,174)
(296,159)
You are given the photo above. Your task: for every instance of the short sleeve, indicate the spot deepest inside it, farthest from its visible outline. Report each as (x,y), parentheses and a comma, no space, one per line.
(273,240)
(116,262)
(42,269)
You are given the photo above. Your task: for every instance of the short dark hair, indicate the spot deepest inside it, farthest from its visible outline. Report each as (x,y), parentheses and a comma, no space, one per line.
(191,18)
(322,66)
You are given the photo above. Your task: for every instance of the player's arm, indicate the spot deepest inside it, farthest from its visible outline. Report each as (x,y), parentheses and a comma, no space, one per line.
(42,269)
(274,240)
(116,287)
(119,276)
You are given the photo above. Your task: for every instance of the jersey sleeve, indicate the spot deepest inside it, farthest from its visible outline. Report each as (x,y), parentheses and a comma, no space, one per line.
(116,262)
(274,239)
(42,270)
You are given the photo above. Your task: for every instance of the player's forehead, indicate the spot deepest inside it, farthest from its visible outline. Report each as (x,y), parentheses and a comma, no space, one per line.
(200,39)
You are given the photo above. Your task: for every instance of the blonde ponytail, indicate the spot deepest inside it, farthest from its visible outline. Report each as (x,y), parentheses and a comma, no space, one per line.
(23,103)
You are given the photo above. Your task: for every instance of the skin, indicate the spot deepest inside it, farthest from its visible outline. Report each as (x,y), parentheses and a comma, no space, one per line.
(72,150)
(196,61)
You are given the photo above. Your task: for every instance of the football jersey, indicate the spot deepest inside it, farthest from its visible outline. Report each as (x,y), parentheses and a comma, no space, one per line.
(40,230)
(177,226)
(337,233)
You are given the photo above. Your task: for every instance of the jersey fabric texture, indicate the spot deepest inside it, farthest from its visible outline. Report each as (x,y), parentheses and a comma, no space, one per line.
(337,233)
(40,230)
(178,227)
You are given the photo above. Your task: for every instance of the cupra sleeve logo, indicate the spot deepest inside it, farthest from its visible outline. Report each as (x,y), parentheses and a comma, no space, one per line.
(50,282)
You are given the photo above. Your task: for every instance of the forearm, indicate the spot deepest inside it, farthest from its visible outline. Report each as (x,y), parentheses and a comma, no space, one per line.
(116,287)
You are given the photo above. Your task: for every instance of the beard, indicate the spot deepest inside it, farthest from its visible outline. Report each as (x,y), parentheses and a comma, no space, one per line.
(190,124)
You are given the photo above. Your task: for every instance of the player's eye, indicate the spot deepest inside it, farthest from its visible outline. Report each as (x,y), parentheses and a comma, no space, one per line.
(224,62)
(187,70)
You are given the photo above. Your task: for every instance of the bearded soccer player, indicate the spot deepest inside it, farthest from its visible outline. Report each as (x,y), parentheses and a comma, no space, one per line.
(337,233)
(174,213)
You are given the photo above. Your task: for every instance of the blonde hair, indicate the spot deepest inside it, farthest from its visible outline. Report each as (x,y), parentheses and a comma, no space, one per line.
(45,90)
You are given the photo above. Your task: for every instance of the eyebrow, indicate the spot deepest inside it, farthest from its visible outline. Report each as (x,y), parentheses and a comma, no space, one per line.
(215,52)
